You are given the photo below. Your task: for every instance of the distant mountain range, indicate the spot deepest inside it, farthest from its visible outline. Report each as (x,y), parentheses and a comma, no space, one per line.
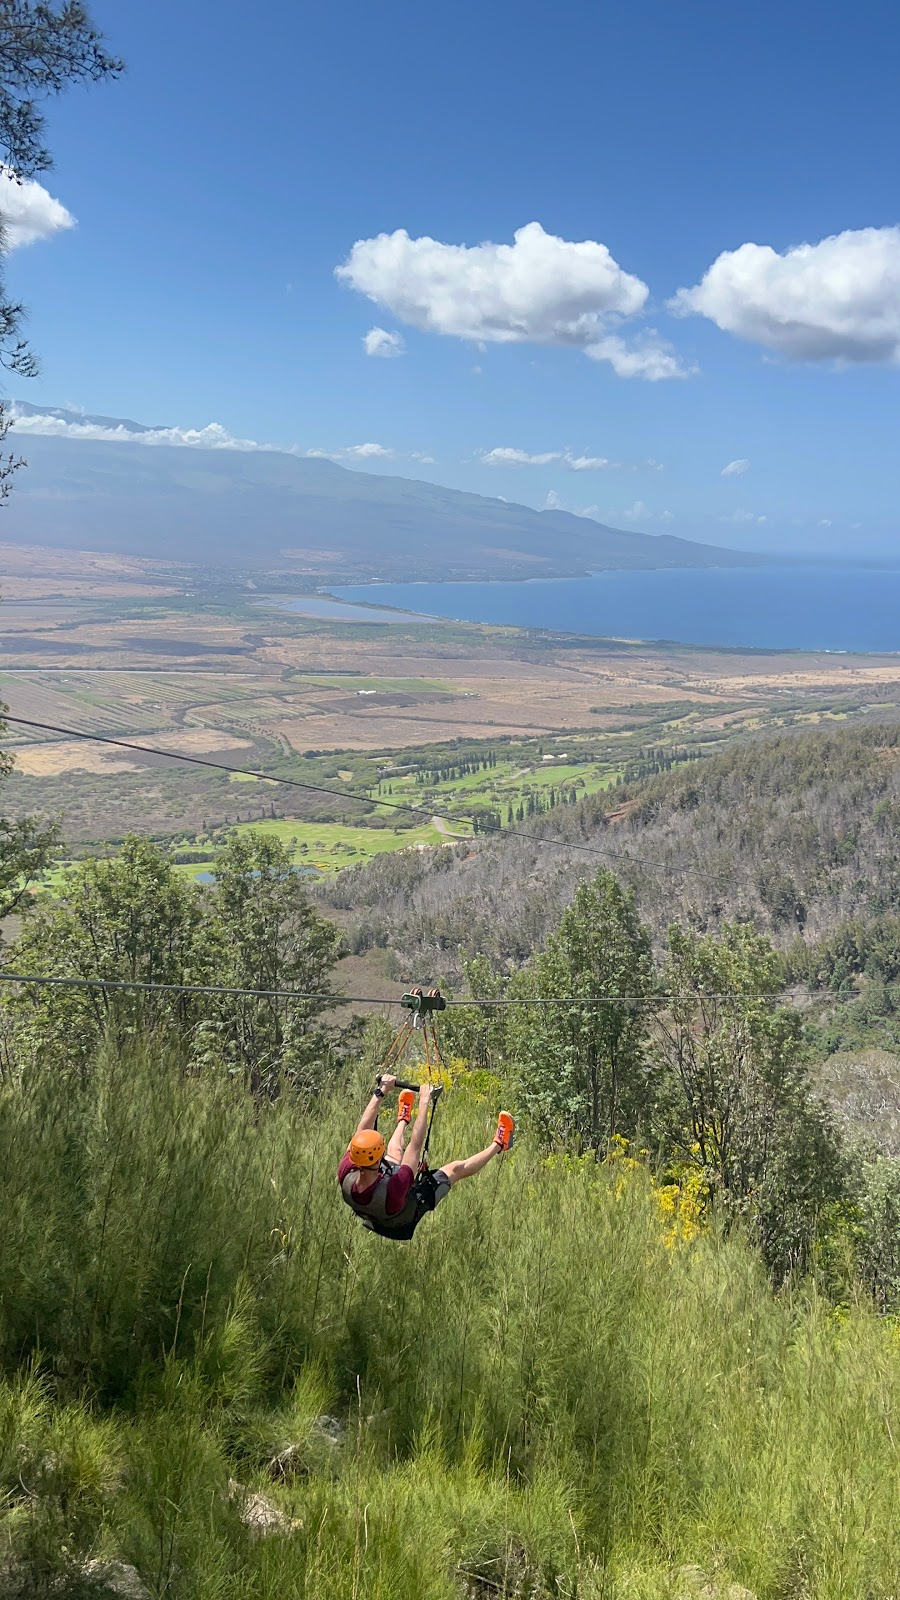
(261,510)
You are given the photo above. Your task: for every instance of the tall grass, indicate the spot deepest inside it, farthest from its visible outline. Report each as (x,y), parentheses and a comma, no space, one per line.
(540,1395)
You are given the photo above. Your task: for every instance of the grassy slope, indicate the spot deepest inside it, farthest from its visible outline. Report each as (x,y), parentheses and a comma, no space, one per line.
(546,1393)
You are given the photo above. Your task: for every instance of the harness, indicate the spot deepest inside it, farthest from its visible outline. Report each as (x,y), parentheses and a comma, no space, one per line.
(400,1224)
(421,1198)
(422,1008)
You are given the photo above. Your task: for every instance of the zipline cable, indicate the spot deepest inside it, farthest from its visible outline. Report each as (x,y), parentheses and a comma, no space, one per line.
(652,1002)
(424,813)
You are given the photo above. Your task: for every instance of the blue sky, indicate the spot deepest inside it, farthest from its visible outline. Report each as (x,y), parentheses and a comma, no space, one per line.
(218,186)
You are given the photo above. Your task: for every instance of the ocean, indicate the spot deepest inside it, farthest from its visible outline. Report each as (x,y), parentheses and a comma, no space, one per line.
(847,608)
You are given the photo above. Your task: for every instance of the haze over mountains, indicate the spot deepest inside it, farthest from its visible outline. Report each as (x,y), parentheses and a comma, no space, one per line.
(260,509)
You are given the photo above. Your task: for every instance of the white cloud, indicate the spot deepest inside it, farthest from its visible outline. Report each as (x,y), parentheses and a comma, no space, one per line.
(354,452)
(744,516)
(825,522)
(506,456)
(651,357)
(28,212)
(539,290)
(735,469)
(427,461)
(639,511)
(369,452)
(212,437)
(379,342)
(555,502)
(835,300)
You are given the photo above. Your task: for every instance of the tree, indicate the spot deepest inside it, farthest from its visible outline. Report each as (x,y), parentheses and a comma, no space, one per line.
(132,919)
(581,1070)
(135,919)
(266,935)
(478,1033)
(27,847)
(768,1147)
(878,1243)
(45,46)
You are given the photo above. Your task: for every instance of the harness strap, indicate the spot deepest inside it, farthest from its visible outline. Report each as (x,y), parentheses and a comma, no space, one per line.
(435,1095)
(422,1007)
(433,1066)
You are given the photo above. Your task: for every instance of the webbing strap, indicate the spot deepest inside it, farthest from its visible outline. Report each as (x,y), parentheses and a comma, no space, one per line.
(434,1066)
(398,1045)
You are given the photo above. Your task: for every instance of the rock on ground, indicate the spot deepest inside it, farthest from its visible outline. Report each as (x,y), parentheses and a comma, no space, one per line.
(116,1578)
(695,1584)
(259,1515)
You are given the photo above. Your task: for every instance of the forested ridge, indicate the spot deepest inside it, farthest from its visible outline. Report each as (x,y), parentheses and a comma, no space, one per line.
(796,833)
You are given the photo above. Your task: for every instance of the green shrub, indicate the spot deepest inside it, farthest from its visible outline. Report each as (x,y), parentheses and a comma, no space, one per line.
(546,1393)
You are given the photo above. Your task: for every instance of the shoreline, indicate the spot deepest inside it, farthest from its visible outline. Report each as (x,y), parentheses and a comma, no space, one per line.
(394,614)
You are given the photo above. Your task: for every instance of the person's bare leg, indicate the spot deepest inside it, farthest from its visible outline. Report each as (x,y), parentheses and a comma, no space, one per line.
(468,1167)
(413,1154)
(397,1142)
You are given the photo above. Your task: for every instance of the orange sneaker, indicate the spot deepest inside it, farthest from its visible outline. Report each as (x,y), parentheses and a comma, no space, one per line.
(407,1101)
(506,1128)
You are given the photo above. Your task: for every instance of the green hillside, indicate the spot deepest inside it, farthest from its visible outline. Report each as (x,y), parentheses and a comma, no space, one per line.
(652,1352)
(798,833)
(561,1387)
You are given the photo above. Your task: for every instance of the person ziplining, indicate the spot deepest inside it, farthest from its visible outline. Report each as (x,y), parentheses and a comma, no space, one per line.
(389,1187)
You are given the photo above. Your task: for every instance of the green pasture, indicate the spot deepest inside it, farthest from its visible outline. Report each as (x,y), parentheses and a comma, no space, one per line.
(482,781)
(511,781)
(553,775)
(329,845)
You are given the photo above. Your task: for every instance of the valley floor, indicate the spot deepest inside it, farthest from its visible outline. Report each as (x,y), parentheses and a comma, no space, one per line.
(168,656)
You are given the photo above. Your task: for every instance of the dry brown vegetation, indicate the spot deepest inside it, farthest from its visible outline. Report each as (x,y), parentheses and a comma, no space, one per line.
(62,651)
(147,650)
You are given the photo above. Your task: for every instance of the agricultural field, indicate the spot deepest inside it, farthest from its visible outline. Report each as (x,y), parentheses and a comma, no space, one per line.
(325,846)
(320,848)
(481,725)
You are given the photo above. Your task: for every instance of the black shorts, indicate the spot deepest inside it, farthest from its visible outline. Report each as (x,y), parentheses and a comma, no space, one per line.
(429,1190)
(436,1186)
(440,1184)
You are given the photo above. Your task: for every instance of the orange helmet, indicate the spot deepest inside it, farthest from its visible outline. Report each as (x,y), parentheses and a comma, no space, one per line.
(366,1148)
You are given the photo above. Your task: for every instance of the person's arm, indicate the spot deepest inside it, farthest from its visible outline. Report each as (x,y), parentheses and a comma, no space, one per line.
(370,1115)
(413,1152)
